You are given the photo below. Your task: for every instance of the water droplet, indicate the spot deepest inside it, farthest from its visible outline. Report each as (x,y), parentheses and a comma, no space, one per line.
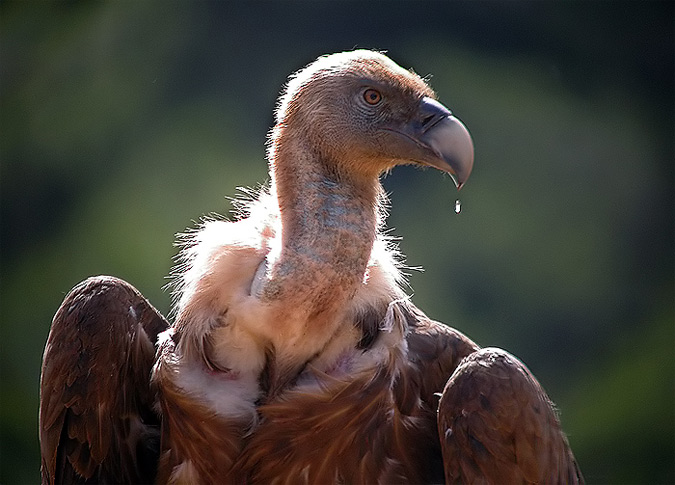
(458,206)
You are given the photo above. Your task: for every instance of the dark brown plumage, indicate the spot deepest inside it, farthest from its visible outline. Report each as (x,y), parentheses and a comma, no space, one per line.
(295,356)
(498,425)
(96,407)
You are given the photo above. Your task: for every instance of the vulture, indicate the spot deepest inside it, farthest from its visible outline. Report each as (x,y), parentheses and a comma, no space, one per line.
(294,354)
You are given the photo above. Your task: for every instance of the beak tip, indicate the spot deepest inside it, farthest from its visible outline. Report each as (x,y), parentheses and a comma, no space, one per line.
(460,170)
(459,183)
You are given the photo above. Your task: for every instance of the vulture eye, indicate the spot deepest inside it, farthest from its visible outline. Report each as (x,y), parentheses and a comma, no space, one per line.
(372,96)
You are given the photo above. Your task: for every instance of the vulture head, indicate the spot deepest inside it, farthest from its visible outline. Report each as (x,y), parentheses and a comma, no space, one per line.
(363,114)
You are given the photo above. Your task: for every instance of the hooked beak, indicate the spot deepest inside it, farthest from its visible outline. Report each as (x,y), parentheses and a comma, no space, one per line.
(446,142)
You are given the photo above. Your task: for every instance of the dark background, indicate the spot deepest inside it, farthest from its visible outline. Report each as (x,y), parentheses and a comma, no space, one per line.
(121,123)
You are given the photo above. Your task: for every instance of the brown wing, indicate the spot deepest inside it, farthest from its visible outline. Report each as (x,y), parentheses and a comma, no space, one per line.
(434,351)
(497,425)
(97,424)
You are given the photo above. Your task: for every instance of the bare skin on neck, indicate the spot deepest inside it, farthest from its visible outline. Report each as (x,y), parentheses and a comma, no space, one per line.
(329,223)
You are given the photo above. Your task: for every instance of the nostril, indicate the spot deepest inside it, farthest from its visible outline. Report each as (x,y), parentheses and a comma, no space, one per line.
(426,120)
(431,112)
(429,121)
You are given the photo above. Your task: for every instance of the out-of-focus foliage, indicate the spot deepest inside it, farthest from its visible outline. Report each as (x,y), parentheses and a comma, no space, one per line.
(122,123)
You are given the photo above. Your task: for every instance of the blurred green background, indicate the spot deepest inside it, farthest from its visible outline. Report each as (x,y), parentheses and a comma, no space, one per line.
(122,123)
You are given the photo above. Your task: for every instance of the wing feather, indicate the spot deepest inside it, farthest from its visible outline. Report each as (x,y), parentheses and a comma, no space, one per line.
(497,425)
(97,424)
(434,351)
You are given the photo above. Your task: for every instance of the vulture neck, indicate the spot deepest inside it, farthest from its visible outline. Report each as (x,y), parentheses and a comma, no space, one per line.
(328,224)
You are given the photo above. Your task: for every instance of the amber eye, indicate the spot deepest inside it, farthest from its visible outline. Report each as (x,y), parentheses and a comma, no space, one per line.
(372,96)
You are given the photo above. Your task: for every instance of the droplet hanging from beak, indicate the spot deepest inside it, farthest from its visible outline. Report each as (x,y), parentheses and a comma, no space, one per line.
(458,206)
